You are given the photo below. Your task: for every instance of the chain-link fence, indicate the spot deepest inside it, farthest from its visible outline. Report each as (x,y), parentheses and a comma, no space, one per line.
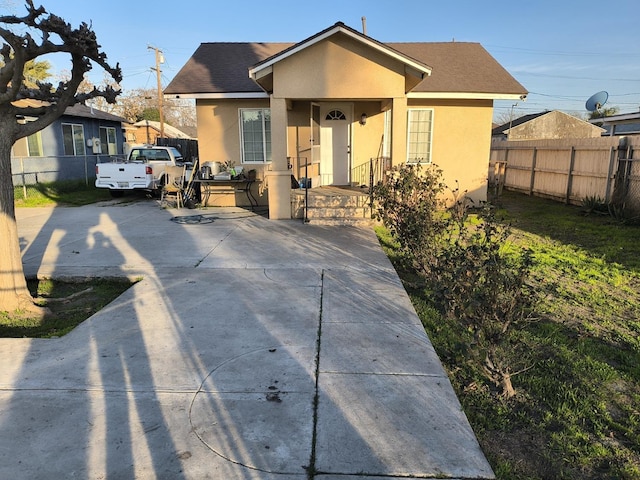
(626,191)
(34,170)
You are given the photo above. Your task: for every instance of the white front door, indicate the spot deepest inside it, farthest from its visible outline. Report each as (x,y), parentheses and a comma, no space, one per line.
(335,141)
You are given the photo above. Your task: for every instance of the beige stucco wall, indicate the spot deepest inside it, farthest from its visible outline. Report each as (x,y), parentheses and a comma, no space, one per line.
(219,138)
(461,137)
(462,143)
(338,69)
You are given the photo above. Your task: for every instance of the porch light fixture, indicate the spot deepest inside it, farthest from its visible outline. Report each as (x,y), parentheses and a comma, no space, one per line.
(363,119)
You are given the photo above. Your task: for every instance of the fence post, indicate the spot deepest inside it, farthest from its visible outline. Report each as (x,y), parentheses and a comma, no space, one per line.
(533,170)
(569,173)
(612,159)
(24,184)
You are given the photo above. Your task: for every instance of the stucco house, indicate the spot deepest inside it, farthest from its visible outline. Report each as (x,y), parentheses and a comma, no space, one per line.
(546,125)
(340,98)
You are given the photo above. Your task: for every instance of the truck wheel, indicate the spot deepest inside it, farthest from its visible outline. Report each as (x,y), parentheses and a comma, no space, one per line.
(116,193)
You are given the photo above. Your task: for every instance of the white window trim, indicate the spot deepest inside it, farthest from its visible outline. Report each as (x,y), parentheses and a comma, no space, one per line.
(115,139)
(409,110)
(84,139)
(386,140)
(264,139)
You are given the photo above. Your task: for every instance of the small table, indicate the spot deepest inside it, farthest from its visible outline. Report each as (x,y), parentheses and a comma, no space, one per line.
(238,185)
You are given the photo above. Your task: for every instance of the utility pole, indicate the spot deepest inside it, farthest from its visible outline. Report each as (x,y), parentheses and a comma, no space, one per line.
(159,60)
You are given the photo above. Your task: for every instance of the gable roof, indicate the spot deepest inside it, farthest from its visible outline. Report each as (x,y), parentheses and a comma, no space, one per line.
(416,68)
(502,129)
(552,124)
(458,70)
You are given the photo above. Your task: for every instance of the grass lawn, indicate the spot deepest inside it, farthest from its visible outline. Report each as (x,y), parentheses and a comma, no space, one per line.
(70,192)
(576,414)
(69,303)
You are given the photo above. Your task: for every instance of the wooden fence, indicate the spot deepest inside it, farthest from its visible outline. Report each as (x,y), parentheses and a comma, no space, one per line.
(570,170)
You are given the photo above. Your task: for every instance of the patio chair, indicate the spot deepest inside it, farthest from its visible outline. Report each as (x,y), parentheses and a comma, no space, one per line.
(174,185)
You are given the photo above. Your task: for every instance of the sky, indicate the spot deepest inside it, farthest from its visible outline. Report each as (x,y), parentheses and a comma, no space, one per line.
(561,51)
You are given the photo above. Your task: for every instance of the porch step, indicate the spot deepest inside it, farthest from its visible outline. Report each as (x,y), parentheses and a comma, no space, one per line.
(332,206)
(339,215)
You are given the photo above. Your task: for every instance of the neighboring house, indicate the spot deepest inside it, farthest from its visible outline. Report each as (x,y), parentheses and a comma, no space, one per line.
(340,98)
(622,124)
(546,125)
(147,131)
(80,131)
(69,147)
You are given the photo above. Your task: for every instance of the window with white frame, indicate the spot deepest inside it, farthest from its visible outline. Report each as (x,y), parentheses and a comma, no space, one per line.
(34,145)
(73,139)
(419,135)
(255,135)
(108,140)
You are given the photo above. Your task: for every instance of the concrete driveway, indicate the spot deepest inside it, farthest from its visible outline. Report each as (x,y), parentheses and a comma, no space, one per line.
(251,349)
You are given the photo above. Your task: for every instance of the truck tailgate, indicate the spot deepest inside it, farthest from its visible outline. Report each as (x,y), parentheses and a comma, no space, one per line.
(123,176)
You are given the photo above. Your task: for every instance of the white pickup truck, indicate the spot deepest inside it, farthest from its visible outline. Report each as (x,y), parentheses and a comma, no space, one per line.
(142,170)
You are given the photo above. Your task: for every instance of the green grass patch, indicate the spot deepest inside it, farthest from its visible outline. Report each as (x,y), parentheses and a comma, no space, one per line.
(69,192)
(69,304)
(576,414)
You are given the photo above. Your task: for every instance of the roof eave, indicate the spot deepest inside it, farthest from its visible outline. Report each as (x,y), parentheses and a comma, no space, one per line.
(214,96)
(620,118)
(467,95)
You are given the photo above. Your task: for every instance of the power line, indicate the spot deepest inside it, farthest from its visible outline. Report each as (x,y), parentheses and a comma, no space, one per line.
(569,77)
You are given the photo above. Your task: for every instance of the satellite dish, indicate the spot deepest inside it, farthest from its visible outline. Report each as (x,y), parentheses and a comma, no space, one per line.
(596,101)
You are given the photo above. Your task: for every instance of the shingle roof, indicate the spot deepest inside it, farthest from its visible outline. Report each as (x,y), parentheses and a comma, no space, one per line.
(501,129)
(460,67)
(222,67)
(79,110)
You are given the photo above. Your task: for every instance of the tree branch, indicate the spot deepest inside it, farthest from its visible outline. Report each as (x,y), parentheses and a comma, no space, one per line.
(80,43)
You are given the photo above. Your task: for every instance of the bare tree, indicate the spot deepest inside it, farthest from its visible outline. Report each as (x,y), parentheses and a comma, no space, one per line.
(25,39)
(133,104)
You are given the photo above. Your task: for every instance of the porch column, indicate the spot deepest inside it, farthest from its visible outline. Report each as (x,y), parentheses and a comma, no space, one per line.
(399,131)
(279,177)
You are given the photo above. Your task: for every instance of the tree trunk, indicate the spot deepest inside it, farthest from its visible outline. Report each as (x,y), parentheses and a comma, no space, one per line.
(14,295)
